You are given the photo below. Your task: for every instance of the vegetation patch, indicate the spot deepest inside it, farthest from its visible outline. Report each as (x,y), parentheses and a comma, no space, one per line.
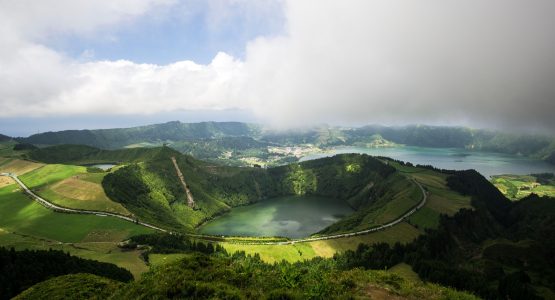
(516,187)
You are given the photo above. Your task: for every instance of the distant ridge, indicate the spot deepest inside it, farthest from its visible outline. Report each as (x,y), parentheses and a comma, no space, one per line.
(208,140)
(4,138)
(156,133)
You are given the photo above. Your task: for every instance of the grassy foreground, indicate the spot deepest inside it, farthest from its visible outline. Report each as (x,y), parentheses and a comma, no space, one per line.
(200,276)
(24,224)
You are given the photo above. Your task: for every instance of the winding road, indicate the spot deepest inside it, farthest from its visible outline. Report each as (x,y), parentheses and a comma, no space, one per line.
(57,208)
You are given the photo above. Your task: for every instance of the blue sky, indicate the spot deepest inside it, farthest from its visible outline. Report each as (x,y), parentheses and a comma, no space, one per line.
(183,32)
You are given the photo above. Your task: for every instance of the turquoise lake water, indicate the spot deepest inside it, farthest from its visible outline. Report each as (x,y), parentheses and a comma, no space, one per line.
(487,163)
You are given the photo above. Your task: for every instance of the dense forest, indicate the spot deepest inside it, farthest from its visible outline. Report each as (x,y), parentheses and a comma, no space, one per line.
(20,270)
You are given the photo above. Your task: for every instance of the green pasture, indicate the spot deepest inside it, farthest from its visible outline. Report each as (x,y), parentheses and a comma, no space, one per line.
(20,214)
(49,174)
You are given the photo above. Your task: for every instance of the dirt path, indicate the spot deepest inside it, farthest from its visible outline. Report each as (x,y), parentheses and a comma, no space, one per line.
(190,200)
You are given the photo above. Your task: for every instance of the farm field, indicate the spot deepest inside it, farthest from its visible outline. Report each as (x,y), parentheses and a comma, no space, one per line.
(17,166)
(516,187)
(71,186)
(20,214)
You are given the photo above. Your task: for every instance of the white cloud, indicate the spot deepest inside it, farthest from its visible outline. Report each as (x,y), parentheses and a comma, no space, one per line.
(402,61)
(395,61)
(40,19)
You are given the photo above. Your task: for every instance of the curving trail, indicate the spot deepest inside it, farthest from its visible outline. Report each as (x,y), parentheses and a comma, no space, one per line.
(55,207)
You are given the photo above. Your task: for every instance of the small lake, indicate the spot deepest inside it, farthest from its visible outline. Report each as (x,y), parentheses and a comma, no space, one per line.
(102,166)
(292,216)
(487,163)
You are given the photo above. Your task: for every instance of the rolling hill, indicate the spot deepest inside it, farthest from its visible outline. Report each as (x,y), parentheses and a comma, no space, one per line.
(471,236)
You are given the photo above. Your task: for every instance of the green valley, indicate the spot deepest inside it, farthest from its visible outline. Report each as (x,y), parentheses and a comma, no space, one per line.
(145,186)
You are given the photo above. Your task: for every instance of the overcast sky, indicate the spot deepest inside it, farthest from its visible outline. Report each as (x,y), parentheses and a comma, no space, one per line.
(93,64)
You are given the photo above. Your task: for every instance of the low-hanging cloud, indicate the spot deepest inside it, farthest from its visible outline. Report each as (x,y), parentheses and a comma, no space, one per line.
(474,62)
(395,61)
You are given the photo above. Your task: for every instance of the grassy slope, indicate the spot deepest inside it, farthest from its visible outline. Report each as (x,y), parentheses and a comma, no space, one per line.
(441,199)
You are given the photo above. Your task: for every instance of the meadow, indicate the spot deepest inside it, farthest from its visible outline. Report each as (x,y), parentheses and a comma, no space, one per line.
(71,186)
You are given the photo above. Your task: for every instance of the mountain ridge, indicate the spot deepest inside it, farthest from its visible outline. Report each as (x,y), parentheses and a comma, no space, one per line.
(195,138)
